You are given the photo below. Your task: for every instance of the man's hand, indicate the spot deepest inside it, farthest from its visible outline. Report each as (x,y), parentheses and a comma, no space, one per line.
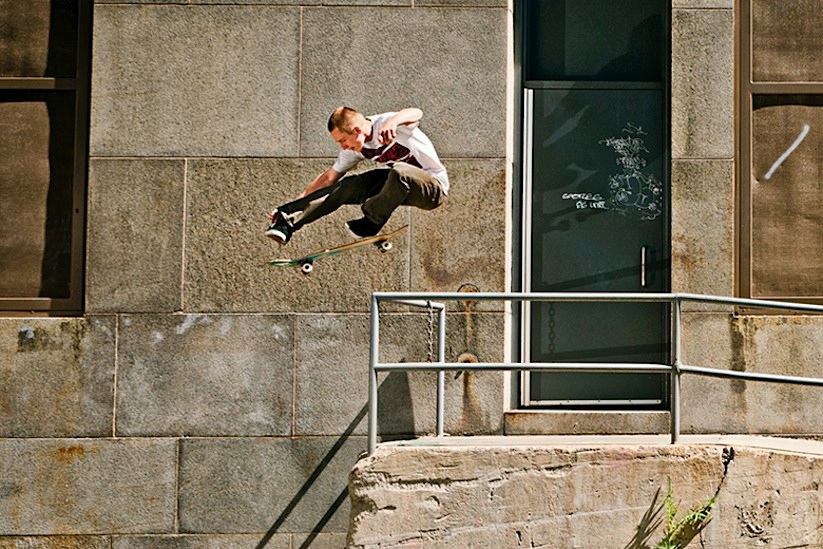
(388,132)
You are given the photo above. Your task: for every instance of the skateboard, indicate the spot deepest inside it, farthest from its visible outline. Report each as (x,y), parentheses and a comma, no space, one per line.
(383,242)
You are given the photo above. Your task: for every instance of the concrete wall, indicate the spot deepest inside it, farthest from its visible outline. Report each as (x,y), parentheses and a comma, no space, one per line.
(703,146)
(584,492)
(207,400)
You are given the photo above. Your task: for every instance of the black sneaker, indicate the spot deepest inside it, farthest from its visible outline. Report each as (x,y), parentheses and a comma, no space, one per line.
(280,229)
(363,228)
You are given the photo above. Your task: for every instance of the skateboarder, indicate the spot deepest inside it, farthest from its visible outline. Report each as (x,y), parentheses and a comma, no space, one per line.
(410,174)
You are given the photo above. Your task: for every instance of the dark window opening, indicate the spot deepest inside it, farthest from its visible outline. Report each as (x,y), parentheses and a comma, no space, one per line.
(44,59)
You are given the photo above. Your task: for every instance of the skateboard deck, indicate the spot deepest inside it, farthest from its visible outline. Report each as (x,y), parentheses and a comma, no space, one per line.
(306,263)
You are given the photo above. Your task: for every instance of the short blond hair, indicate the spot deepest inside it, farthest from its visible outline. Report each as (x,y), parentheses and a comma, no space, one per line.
(345,119)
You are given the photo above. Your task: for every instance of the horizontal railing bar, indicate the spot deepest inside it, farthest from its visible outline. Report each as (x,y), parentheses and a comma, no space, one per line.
(590,367)
(420,303)
(425,297)
(756,303)
(751,376)
(522,296)
(524,366)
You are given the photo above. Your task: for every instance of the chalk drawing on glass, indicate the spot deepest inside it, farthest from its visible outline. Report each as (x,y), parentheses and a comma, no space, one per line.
(631,190)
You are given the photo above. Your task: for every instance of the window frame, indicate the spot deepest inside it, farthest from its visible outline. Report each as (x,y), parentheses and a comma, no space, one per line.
(80,86)
(747,89)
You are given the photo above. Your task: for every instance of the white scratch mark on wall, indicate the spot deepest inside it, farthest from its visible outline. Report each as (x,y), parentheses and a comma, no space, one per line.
(190,321)
(789,151)
(226,326)
(279,332)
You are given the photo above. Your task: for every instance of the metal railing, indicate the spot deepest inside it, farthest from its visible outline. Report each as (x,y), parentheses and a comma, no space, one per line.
(434,302)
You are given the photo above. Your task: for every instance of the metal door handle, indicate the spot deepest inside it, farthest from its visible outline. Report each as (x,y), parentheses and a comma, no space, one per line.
(643,267)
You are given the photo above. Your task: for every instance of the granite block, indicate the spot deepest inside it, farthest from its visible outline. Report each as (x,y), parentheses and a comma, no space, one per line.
(57,377)
(205,375)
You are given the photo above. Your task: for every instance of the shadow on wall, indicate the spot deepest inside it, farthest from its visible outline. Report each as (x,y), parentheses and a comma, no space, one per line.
(395,410)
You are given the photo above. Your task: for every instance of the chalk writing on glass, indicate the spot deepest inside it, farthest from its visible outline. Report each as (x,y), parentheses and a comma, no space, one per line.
(583,201)
(631,190)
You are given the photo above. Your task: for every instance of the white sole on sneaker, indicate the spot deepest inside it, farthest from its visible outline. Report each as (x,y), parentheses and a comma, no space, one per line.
(277,235)
(351,232)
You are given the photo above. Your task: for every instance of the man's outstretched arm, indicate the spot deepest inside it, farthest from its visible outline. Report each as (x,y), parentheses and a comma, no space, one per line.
(322,181)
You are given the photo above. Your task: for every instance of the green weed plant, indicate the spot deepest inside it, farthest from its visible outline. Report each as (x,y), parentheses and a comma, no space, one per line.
(678,532)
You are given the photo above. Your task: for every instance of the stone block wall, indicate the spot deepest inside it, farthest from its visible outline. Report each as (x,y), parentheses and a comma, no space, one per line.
(206,399)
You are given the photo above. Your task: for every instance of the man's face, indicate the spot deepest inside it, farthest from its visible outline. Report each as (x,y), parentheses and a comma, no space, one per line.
(349,141)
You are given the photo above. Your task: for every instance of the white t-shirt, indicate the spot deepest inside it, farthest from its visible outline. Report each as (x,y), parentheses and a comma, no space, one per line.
(411,146)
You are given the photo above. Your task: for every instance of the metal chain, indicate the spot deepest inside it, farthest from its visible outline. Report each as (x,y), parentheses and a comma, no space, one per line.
(431,332)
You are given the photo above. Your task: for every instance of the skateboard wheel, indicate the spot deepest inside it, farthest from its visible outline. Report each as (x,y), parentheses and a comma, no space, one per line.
(306,268)
(386,246)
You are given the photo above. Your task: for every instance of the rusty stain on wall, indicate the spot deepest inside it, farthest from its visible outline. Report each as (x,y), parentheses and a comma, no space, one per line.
(67,336)
(739,336)
(70,454)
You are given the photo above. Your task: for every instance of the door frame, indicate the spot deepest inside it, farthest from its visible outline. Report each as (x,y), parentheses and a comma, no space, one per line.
(522,211)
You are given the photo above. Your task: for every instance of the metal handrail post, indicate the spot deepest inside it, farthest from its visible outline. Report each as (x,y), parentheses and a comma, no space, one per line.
(373,357)
(441,374)
(674,404)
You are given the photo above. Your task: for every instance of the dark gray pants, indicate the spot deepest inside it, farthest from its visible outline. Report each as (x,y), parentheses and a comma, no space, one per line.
(380,191)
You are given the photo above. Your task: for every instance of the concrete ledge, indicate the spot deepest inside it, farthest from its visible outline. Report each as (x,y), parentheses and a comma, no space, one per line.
(778,444)
(583,491)
(565,422)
